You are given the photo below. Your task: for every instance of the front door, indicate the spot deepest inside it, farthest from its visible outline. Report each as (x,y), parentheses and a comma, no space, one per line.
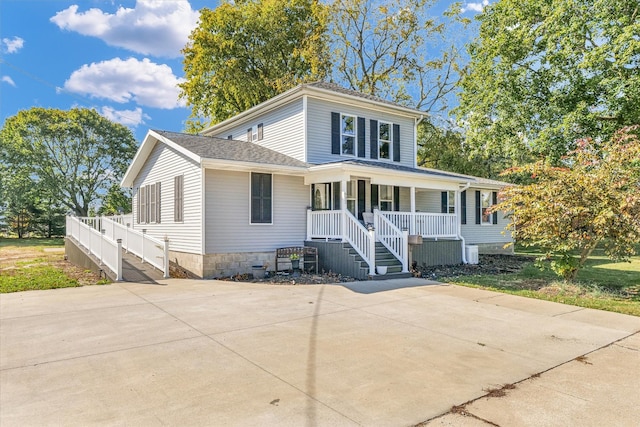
(362,201)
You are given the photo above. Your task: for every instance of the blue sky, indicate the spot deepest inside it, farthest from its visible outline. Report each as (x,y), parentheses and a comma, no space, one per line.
(120,58)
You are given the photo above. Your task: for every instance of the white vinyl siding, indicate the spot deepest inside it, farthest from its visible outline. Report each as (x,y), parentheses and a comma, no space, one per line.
(282,130)
(161,168)
(319,131)
(478,233)
(228,227)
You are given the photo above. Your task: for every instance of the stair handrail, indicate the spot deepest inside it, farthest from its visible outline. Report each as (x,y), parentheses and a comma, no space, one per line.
(395,240)
(361,239)
(149,249)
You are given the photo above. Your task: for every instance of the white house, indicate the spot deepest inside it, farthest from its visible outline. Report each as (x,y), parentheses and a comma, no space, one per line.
(320,166)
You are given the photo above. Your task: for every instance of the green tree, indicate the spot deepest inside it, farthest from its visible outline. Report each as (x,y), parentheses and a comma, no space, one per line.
(246,51)
(592,200)
(116,201)
(545,73)
(74,156)
(445,149)
(393,50)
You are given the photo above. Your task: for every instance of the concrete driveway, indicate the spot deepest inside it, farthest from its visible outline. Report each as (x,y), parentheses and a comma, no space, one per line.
(392,353)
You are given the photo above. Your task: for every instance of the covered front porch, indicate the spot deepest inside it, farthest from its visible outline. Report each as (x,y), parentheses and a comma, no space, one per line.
(371,206)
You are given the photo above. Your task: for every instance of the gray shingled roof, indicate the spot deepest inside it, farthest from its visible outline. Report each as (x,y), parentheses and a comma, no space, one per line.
(229,149)
(342,90)
(402,168)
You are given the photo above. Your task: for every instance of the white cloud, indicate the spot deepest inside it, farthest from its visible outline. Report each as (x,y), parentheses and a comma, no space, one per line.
(9,80)
(12,45)
(143,82)
(125,117)
(474,7)
(152,27)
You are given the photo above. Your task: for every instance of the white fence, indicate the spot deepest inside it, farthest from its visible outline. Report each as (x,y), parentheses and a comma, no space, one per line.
(362,240)
(114,229)
(106,250)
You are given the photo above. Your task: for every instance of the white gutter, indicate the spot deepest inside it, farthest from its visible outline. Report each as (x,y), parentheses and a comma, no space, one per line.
(464,255)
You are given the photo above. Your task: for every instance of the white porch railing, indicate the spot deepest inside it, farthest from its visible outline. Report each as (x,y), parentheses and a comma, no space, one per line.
(105,249)
(432,225)
(324,224)
(394,239)
(362,240)
(147,248)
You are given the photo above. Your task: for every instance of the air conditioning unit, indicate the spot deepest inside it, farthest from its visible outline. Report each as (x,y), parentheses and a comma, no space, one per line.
(471,253)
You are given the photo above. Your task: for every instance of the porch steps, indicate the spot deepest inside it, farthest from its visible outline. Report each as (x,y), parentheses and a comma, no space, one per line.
(383,258)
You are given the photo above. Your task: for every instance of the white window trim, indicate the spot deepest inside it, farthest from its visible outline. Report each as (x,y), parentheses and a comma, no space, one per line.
(482,221)
(354,197)
(451,202)
(355,134)
(380,200)
(390,141)
(251,201)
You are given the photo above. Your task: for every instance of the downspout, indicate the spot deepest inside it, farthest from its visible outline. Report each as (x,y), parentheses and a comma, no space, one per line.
(464,255)
(415,140)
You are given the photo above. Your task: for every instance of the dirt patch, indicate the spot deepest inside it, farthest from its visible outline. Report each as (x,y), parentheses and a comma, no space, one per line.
(488,264)
(291,278)
(13,259)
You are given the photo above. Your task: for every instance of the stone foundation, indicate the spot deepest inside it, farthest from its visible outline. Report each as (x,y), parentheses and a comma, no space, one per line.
(212,266)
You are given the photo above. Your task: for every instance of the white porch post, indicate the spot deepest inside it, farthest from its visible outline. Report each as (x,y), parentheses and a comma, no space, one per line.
(343,207)
(412,230)
(405,250)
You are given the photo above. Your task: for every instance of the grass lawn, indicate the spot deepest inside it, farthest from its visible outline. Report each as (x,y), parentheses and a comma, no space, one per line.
(30,264)
(601,284)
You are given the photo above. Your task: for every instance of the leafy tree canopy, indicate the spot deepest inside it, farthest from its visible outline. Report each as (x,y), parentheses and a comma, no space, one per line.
(247,51)
(545,73)
(393,50)
(593,199)
(75,156)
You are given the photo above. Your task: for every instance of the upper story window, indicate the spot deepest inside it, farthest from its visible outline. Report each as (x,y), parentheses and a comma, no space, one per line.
(255,133)
(384,140)
(348,134)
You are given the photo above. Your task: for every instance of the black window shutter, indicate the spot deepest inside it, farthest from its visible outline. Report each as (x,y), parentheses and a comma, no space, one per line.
(494,195)
(335,133)
(249,132)
(396,143)
(260,132)
(158,199)
(373,141)
(478,208)
(444,202)
(361,145)
(336,196)
(463,207)
(396,198)
(375,200)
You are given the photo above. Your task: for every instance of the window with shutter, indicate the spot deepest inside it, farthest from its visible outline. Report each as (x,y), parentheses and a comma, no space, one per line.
(178,198)
(261,198)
